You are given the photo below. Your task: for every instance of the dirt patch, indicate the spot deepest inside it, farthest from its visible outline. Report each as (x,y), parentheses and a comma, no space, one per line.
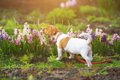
(113,74)
(57,74)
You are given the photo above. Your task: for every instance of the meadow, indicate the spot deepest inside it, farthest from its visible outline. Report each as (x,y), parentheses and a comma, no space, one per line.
(27,53)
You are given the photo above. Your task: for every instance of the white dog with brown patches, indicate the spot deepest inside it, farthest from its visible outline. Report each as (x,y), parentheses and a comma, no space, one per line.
(71,45)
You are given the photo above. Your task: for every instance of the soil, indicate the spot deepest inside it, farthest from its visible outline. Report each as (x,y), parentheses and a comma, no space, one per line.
(56,74)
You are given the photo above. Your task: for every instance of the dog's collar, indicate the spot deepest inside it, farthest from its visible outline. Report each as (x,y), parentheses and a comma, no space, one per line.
(58,34)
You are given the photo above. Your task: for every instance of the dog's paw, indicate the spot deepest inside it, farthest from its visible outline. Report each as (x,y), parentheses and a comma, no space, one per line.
(71,57)
(90,65)
(58,58)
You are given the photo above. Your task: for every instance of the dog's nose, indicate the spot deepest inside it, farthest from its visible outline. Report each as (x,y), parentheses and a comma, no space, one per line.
(52,38)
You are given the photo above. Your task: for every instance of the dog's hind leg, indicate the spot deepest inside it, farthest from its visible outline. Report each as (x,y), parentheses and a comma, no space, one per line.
(90,55)
(84,54)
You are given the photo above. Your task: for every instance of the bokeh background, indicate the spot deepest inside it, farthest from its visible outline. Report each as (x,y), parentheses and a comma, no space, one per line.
(47,5)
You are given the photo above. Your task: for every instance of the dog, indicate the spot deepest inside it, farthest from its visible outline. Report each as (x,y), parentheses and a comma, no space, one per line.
(70,45)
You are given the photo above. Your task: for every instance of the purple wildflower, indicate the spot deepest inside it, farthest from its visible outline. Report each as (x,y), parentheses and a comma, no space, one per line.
(1,35)
(93,35)
(115,37)
(34,33)
(69,3)
(30,38)
(26,29)
(110,42)
(42,38)
(73,3)
(19,39)
(5,35)
(103,37)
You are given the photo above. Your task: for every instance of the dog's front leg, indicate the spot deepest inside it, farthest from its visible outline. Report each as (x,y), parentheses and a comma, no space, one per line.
(59,54)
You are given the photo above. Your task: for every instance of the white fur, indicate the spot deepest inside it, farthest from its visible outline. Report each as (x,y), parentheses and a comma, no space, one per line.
(76,46)
(89,38)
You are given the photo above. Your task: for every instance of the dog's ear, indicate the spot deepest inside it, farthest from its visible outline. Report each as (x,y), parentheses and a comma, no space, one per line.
(46,30)
(54,30)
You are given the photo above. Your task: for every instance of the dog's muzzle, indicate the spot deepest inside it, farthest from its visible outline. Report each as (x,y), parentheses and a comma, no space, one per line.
(53,40)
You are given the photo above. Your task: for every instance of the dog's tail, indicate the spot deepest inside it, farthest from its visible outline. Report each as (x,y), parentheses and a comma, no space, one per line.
(86,35)
(101,62)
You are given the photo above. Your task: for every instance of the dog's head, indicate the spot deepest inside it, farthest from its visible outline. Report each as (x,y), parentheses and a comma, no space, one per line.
(51,30)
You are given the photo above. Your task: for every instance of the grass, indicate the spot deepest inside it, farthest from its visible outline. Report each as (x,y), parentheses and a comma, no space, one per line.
(84,70)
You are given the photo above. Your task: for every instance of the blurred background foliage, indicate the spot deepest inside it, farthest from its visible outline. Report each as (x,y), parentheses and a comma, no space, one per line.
(36,11)
(46,5)
(99,13)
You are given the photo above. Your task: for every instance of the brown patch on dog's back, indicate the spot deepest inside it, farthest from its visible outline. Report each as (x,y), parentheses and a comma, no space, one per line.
(63,42)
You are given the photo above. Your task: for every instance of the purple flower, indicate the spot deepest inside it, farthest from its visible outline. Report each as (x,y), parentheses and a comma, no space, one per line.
(93,35)
(73,3)
(26,29)
(115,37)
(5,35)
(42,38)
(30,38)
(110,42)
(103,37)
(1,37)
(69,3)
(17,41)
(34,33)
